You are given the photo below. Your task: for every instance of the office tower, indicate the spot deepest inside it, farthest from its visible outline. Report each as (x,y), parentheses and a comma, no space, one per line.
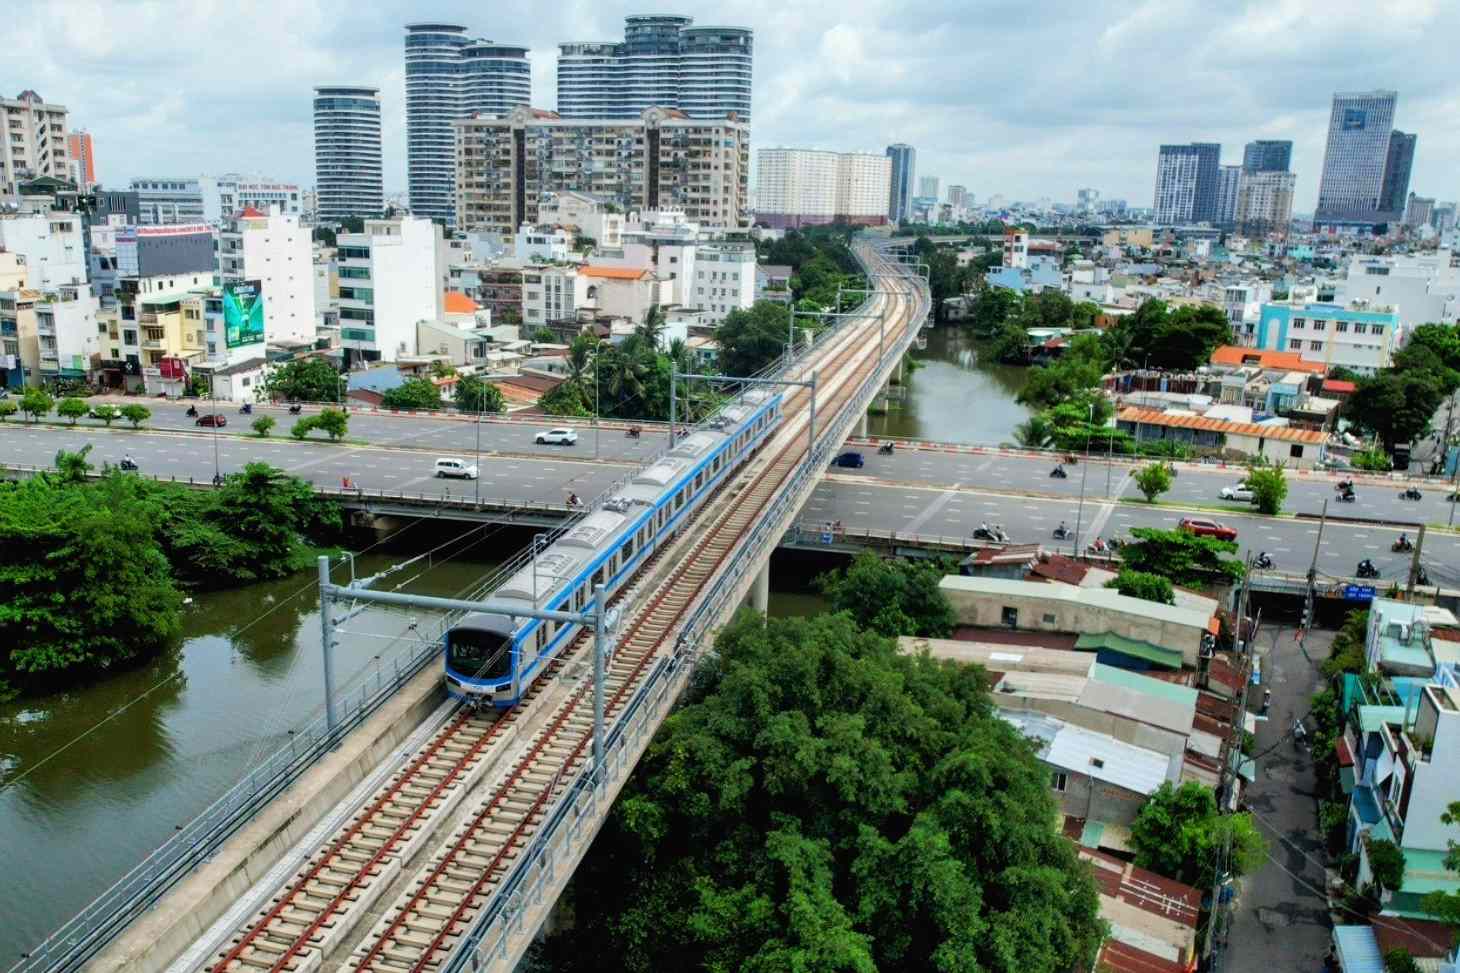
(904,162)
(450,76)
(78,147)
(1087,200)
(958,197)
(662,159)
(1267,155)
(806,187)
(663,62)
(35,143)
(1229,181)
(1420,211)
(1356,157)
(1265,202)
(928,187)
(1187,183)
(347,170)
(1398,164)
(167,202)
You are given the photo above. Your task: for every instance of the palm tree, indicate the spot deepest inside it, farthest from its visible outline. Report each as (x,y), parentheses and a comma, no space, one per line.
(652,330)
(1036,432)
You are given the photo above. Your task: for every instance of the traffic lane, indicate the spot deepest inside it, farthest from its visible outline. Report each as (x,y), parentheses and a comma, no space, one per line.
(1194,484)
(369,468)
(959,512)
(404,430)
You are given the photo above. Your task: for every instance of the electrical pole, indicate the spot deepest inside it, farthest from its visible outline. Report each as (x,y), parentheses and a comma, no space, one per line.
(1419,543)
(1310,600)
(327,633)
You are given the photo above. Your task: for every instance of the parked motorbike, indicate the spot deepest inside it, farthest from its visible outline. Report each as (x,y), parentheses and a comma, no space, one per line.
(885,449)
(1264,562)
(1411,493)
(1366,569)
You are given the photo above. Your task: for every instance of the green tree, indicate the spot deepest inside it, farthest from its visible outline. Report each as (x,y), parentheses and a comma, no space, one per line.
(262,425)
(825,803)
(335,423)
(565,399)
(305,380)
(1386,862)
(1395,405)
(1347,652)
(325,235)
(1400,960)
(473,394)
(993,308)
(73,467)
(1036,432)
(1139,584)
(442,369)
(1010,343)
(7,409)
(651,329)
(71,408)
(1269,486)
(1445,906)
(1074,375)
(135,414)
(544,336)
(1179,833)
(1183,557)
(413,393)
(892,596)
(1152,480)
(108,414)
(751,340)
(304,426)
(1372,460)
(36,403)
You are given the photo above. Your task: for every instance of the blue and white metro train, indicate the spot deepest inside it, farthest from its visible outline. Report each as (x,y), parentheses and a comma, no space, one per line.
(493,658)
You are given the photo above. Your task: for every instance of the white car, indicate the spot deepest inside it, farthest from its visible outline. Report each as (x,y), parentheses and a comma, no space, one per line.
(561,436)
(1238,492)
(450,466)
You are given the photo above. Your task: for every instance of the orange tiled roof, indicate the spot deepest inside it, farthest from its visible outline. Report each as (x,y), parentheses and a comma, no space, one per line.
(459,303)
(614,273)
(1287,434)
(1288,361)
(249,213)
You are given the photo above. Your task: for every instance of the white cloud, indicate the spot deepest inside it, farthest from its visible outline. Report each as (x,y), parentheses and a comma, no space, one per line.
(1000,95)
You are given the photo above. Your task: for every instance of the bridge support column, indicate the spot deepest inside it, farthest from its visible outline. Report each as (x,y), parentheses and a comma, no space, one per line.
(897,372)
(760,590)
(861,431)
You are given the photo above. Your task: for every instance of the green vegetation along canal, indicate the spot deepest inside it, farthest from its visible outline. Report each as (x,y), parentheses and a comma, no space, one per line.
(956,396)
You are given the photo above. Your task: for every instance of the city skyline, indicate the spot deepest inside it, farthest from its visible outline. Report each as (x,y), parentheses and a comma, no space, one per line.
(852,78)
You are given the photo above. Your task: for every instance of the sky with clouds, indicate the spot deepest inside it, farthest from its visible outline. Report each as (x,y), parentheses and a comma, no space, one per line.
(1016,97)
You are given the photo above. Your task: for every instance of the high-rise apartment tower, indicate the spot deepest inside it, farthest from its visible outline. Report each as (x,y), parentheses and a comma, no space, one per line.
(347,152)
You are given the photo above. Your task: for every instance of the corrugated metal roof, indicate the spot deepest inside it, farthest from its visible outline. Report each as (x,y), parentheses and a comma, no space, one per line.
(1004,658)
(1103,757)
(1134,705)
(1184,695)
(1041,685)
(1109,641)
(1358,950)
(1106,598)
(1289,434)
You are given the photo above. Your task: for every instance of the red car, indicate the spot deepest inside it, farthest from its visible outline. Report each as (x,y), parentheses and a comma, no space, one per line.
(212,419)
(1209,528)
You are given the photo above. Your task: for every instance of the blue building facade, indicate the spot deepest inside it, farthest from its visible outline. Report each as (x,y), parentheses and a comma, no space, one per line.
(1358,338)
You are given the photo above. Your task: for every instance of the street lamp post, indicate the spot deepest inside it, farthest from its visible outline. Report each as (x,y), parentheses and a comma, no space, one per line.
(1084,471)
(477,480)
(213,408)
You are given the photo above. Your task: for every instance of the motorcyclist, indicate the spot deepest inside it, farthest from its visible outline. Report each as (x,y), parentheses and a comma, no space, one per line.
(1403,541)
(573,500)
(1062,530)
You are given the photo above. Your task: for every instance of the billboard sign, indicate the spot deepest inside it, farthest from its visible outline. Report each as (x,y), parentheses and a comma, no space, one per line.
(243,313)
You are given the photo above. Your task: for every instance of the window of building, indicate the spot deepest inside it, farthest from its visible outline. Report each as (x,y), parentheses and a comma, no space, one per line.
(1010,616)
(1378,329)
(1340,326)
(1048,618)
(1315,346)
(1320,325)
(1059,781)
(1360,328)
(1296,451)
(1295,344)
(1299,324)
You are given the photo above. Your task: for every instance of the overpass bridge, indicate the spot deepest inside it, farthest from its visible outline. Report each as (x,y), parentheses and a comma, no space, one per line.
(484,892)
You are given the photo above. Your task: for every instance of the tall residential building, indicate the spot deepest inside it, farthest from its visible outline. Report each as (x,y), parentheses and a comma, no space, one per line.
(274,252)
(1087,200)
(35,141)
(52,245)
(224,196)
(807,187)
(168,202)
(1229,181)
(389,280)
(1187,183)
(78,147)
(1265,202)
(928,187)
(1267,155)
(958,197)
(1356,157)
(904,164)
(662,160)
(1419,210)
(665,62)
(1398,165)
(347,170)
(450,76)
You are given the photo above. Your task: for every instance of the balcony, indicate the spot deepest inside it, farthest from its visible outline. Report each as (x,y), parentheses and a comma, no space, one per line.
(147,317)
(154,344)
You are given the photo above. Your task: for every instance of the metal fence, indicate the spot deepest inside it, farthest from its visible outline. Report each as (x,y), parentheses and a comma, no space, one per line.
(571,820)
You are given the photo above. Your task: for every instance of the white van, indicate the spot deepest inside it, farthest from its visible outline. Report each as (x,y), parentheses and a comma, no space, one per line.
(456,467)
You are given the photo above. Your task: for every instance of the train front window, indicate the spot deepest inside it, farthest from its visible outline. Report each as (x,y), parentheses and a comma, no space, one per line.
(479,655)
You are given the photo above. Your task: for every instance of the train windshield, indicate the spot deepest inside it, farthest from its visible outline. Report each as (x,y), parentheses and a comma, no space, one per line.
(479,655)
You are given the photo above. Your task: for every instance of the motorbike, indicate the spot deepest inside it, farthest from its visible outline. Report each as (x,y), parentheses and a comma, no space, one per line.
(1366,569)
(1264,562)
(633,432)
(885,449)
(1421,578)
(294,410)
(1411,493)
(192,412)
(127,464)
(573,500)
(1401,546)
(1071,459)
(246,409)
(217,479)
(1062,533)
(1059,473)
(1344,486)
(995,533)
(1348,497)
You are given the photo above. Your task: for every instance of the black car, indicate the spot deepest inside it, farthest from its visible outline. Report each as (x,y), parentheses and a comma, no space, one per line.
(850,461)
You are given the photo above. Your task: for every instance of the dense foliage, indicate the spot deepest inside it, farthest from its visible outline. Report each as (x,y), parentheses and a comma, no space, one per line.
(1156,336)
(413,393)
(306,380)
(1152,480)
(751,340)
(1386,862)
(334,422)
(892,596)
(90,571)
(1179,833)
(1269,488)
(1183,557)
(825,803)
(1139,584)
(475,394)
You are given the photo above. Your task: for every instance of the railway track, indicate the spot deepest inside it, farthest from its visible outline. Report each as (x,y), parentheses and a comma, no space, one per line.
(419,930)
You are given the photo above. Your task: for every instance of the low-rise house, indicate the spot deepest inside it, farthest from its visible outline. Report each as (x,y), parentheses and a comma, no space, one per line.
(1153,920)
(1276,441)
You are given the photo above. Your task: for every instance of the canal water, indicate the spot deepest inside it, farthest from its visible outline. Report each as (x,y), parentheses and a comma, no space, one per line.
(956,396)
(82,801)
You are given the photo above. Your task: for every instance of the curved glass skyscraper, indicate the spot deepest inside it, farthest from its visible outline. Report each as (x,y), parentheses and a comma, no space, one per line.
(347,152)
(663,62)
(451,76)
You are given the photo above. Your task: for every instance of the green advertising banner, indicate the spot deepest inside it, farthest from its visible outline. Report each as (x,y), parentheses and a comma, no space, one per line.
(243,313)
